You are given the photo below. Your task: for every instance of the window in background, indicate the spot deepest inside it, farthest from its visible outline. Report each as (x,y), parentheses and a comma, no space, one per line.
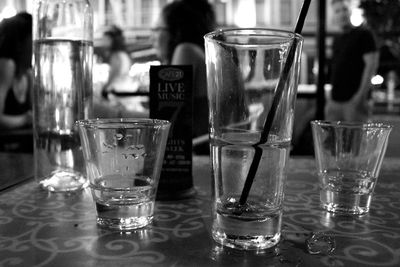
(260,12)
(147,13)
(220,11)
(245,14)
(285,12)
(108,14)
(124,11)
(312,16)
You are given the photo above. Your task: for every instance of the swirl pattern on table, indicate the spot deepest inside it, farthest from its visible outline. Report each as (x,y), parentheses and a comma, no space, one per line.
(43,229)
(359,239)
(49,219)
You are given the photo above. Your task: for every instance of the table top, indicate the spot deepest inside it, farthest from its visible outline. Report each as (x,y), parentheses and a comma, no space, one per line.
(52,229)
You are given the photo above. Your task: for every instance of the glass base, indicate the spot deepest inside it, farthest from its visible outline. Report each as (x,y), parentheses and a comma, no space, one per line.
(122,215)
(246,242)
(64,181)
(246,227)
(124,224)
(346,204)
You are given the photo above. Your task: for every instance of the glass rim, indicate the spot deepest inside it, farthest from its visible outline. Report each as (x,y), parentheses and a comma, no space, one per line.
(353,124)
(284,34)
(114,123)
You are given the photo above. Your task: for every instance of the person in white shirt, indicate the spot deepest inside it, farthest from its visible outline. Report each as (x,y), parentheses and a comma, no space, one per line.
(119,62)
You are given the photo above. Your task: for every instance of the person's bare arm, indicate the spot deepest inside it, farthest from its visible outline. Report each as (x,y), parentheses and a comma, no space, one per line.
(370,66)
(191,54)
(119,66)
(7,70)
(186,54)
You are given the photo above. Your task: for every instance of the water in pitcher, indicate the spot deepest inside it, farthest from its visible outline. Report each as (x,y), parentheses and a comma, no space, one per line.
(257,223)
(62,93)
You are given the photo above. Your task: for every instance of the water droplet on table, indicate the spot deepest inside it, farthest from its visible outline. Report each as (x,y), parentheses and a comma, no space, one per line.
(320,243)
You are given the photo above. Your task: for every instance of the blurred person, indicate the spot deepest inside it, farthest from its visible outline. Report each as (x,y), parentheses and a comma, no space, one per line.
(119,61)
(16,77)
(108,104)
(354,62)
(388,61)
(178,39)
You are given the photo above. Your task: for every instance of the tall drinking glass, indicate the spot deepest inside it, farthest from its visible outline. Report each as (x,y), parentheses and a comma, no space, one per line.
(243,69)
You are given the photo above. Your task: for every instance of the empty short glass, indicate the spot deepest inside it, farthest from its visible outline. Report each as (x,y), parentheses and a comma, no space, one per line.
(349,157)
(123,160)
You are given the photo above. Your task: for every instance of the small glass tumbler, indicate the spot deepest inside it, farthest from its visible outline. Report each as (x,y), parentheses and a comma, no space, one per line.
(349,157)
(123,160)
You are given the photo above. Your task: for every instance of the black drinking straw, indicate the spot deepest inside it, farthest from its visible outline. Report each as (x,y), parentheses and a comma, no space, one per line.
(275,103)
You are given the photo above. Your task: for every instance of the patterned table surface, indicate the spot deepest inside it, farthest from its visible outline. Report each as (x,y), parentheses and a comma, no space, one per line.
(44,229)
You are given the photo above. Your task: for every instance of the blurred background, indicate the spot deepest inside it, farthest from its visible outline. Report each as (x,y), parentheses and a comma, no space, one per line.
(137,17)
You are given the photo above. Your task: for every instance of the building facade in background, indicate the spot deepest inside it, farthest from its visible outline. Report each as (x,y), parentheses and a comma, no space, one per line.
(137,16)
